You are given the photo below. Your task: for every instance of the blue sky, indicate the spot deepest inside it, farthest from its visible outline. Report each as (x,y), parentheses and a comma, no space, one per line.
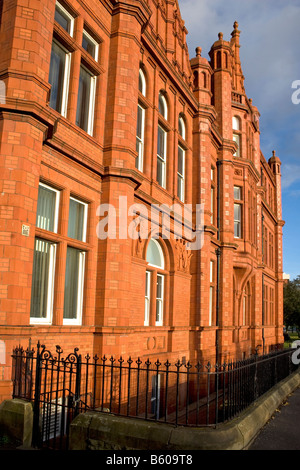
(270,56)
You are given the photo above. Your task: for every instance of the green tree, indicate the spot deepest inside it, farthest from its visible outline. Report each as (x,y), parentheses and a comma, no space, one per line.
(291,303)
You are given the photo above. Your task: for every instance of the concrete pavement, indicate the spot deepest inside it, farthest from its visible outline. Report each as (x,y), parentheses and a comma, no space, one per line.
(282,432)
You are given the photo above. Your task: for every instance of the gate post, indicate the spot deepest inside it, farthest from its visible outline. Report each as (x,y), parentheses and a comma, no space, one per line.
(77,385)
(36,434)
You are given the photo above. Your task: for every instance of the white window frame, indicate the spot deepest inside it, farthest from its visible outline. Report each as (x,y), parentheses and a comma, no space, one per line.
(238,223)
(85,205)
(56,211)
(66,80)
(96,44)
(147,298)
(160,315)
(140,157)
(81,272)
(50,296)
(163,159)
(91,104)
(181,177)
(69,16)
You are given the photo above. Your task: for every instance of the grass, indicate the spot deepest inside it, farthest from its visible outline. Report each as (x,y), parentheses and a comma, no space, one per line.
(293,337)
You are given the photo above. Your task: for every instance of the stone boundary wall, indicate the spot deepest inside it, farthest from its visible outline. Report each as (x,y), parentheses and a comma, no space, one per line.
(100,431)
(104,431)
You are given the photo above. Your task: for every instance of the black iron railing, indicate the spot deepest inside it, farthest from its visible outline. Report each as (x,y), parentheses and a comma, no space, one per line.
(179,393)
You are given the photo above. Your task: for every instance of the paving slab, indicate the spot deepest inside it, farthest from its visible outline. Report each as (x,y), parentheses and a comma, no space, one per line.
(282,432)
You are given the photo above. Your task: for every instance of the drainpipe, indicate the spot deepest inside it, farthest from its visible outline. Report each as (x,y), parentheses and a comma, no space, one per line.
(218,253)
(263,290)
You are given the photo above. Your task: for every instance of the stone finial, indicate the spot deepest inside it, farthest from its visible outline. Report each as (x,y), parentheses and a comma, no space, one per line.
(198,51)
(273,153)
(220,35)
(235,31)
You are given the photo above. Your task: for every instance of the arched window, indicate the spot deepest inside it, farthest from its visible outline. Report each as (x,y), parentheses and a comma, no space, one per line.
(162,106)
(154,286)
(142,82)
(181,127)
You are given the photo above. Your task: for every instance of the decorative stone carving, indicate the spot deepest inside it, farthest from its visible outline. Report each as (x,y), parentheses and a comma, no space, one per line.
(183,259)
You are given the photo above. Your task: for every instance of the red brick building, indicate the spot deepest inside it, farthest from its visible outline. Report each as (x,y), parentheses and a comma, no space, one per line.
(103,111)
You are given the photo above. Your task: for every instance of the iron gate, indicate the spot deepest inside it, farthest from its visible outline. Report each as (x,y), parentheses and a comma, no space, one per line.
(52,383)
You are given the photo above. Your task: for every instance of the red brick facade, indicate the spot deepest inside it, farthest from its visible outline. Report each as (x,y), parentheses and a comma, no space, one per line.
(222,300)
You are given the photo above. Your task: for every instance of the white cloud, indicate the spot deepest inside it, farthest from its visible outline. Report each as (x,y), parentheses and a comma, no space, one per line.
(290,175)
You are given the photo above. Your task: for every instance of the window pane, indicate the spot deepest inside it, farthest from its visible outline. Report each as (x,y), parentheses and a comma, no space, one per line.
(181,127)
(147,298)
(76,227)
(180,160)
(73,283)
(236,138)
(235,123)
(89,45)
(180,187)
(237,220)
(83,103)
(159,298)
(161,142)
(155,255)
(162,106)
(237,212)
(45,217)
(63,19)
(211,296)
(139,129)
(237,192)
(159,287)
(56,76)
(42,279)
(160,172)
(142,83)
